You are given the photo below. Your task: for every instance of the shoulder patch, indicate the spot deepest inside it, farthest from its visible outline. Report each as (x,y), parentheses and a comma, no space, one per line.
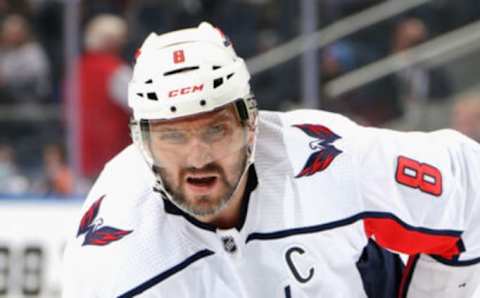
(324,151)
(95,232)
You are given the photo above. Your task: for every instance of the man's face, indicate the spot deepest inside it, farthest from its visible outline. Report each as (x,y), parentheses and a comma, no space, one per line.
(466,119)
(200,159)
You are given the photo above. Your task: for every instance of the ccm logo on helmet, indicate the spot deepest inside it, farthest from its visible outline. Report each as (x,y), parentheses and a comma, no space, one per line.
(185,90)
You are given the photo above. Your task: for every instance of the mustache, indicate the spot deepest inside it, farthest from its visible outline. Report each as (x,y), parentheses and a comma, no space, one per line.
(208,168)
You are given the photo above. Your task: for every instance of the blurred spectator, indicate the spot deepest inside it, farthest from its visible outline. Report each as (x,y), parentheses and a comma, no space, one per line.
(7,7)
(466,116)
(417,83)
(103,80)
(442,16)
(58,176)
(336,60)
(24,67)
(24,87)
(11,181)
(340,58)
(48,21)
(398,95)
(413,81)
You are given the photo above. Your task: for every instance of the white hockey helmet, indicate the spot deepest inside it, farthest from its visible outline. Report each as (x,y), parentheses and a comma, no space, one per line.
(187,72)
(184,73)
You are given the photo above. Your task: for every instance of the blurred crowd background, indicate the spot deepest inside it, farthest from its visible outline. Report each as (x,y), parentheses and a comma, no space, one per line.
(62,118)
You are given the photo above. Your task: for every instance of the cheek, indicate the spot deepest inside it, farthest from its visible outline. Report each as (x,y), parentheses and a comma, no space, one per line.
(165,158)
(233,164)
(171,175)
(153,148)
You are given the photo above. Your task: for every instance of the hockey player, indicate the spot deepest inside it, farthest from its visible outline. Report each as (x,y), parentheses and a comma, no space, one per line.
(215,199)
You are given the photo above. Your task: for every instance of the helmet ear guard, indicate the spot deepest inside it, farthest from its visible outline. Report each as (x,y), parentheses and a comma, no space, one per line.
(246,107)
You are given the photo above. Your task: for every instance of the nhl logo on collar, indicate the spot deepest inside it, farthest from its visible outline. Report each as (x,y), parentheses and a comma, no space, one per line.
(229,244)
(324,150)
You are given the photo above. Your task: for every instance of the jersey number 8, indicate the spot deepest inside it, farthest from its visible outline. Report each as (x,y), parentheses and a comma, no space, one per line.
(423,176)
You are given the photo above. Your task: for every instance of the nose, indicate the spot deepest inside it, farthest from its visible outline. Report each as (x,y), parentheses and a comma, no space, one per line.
(200,154)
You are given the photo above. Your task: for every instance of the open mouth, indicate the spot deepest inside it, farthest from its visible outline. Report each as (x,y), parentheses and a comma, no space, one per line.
(205,181)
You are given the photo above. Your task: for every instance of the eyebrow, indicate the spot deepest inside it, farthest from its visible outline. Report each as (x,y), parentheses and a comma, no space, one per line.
(220,118)
(164,129)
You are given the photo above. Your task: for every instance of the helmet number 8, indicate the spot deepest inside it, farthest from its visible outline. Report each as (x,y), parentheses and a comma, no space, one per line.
(178,56)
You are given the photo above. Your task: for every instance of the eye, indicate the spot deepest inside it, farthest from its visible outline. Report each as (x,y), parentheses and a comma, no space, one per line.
(219,128)
(215,132)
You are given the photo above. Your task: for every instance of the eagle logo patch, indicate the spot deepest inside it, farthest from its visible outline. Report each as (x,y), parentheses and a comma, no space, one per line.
(324,151)
(95,232)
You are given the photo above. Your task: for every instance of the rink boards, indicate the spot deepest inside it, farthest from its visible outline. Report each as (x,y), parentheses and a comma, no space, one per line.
(33,233)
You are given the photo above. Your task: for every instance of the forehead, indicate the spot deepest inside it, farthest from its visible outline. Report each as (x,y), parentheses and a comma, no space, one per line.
(224,114)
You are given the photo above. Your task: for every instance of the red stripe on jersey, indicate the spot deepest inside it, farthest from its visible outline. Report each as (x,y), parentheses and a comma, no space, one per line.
(407,276)
(390,234)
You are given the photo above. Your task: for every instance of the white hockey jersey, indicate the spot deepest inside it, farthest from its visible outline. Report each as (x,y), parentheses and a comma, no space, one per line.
(325,186)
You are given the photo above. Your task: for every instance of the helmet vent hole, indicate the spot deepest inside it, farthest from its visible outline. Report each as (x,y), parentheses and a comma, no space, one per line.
(230,75)
(179,70)
(217,82)
(215,67)
(140,94)
(203,102)
(173,109)
(149,81)
(152,96)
